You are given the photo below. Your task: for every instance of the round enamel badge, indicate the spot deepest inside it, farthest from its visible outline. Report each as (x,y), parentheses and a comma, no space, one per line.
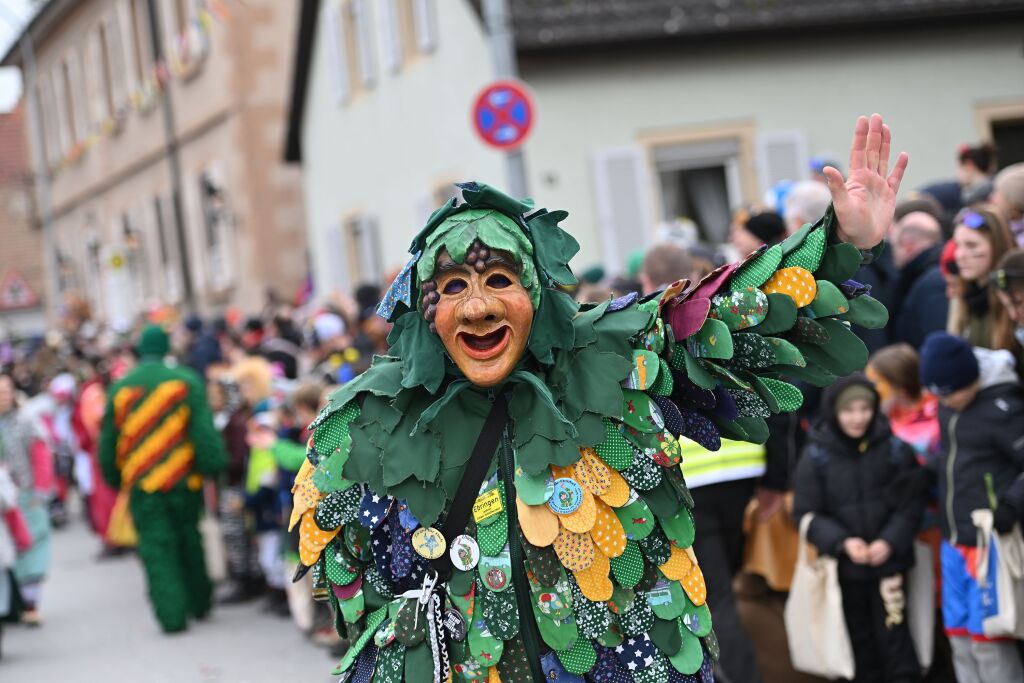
(496,579)
(428,543)
(567,496)
(465,553)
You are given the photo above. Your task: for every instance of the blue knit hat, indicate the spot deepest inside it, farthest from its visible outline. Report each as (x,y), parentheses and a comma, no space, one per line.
(948,363)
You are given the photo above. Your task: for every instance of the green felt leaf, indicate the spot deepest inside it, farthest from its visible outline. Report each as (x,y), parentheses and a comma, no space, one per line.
(425,500)
(423,355)
(751,350)
(328,474)
(828,301)
(757,271)
(840,262)
(666,637)
(794,241)
(810,252)
(811,373)
(730,429)
(663,384)
(682,360)
(594,384)
(726,376)
(713,340)
(789,398)
(755,427)
(419,664)
(782,313)
(553,247)
(662,500)
(552,325)
(844,347)
(764,392)
(785,352)
(867,312)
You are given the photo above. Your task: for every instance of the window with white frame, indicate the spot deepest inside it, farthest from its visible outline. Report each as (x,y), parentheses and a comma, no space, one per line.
(62,127)
(141,48)
(167,243)
(218,231)
(362,247)
(103,94)
(362,37)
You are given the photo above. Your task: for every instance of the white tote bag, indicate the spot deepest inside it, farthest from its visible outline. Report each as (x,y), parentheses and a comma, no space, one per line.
(921,604)
(1001,581)
(819,643)
(214,549)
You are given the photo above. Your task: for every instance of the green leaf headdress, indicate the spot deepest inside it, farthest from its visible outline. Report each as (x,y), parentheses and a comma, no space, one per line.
(541,248)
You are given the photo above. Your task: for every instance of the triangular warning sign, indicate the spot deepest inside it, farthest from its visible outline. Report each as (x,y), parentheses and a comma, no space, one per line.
(16,293)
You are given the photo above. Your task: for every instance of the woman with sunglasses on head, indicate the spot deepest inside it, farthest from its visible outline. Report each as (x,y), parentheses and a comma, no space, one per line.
(981,238)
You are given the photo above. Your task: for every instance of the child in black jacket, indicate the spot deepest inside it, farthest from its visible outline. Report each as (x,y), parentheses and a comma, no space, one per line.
(866,491)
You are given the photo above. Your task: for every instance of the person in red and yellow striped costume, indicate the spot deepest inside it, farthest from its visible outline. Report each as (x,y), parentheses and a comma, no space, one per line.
(158,441)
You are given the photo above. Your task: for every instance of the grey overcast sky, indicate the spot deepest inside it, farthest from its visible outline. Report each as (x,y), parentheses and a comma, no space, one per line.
(14,14)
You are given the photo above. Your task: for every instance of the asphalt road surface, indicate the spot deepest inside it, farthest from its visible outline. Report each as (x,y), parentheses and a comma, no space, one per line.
(98,628)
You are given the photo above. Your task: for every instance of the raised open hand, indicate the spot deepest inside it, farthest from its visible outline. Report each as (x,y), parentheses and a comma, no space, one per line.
(864,203)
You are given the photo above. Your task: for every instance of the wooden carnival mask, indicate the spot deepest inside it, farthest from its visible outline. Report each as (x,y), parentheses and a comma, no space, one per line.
(481,312)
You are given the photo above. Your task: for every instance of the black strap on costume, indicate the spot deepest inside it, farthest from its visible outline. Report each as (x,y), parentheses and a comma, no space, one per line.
(476,469)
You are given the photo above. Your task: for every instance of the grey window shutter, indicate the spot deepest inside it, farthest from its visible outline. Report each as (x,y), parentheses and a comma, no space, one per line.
(336,55)
(363,33)
(623,205)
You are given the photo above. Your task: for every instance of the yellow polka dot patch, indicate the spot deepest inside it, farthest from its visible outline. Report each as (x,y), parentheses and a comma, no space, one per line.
(575,551)
(594,581)
(695,587)
(678,566)
(538,522)
(305,493)
(617,494)
(796,283)
(312,539)
(608,534)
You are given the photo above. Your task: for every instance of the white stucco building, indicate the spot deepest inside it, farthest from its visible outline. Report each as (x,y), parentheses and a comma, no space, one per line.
(664,109)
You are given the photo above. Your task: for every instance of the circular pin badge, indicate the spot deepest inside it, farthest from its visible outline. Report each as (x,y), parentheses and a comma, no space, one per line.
(496,579)
(455,624)
(465,553)
(428,542)
(567,496)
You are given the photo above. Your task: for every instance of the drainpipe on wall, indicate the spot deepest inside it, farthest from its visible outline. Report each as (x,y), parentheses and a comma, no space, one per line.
(503,54)
(174,160)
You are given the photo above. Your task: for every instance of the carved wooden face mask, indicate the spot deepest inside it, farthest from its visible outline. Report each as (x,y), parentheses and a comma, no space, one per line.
(481,312)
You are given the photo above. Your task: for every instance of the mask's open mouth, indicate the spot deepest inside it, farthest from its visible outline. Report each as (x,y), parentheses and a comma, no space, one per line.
(487,346)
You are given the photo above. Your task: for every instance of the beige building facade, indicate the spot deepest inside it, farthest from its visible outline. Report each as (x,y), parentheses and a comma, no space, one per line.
(160,124)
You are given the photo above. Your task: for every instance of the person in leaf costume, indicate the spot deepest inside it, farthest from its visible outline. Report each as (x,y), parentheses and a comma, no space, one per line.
(499,497)
(158,442)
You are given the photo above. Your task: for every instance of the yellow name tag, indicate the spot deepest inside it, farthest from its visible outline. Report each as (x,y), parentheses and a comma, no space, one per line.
(487,505)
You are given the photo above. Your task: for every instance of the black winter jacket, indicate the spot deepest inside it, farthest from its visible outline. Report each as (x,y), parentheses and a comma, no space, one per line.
(872,489)
(982,451)
(919,299)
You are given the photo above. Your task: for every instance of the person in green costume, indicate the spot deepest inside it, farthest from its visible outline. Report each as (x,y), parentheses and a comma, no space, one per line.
(499,497)
(158,441)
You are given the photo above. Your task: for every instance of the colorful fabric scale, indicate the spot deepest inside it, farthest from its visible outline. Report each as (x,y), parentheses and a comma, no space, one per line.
(585,489)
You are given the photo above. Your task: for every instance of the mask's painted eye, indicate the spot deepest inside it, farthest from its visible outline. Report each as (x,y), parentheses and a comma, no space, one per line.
(455,286)
(498,281)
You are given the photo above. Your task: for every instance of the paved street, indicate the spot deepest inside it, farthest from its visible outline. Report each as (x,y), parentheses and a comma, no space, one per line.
(99,629)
